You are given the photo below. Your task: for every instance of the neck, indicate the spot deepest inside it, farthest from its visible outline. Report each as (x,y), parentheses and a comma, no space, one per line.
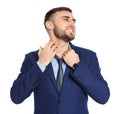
(62,47)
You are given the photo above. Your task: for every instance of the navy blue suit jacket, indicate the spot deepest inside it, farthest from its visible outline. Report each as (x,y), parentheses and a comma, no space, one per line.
(85,80)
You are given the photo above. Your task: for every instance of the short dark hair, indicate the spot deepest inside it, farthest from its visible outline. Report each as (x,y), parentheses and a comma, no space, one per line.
(54,10)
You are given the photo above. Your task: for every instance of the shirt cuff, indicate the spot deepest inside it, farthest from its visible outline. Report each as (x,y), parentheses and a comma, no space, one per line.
(41,66)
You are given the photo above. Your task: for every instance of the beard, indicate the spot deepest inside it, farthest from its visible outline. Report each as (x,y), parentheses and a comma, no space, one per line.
(61,34)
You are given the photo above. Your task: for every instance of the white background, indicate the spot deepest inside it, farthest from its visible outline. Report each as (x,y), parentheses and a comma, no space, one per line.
(22,31)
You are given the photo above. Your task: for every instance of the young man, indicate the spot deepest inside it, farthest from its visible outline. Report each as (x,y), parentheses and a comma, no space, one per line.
(80,72)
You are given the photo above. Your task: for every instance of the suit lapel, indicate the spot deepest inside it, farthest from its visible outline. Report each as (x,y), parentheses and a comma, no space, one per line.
(67,71)
(65,79)
(50,73)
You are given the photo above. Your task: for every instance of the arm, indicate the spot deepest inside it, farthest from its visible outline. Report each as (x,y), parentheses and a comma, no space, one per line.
(31,73)
(28,79)
(91,80)
(88,75)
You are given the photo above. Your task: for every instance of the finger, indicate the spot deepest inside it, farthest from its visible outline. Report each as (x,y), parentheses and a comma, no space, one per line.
(48,44)
(66,52)
(73,51)
(39,50)
(53,45)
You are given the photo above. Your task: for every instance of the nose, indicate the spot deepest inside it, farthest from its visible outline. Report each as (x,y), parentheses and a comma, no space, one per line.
(72,22)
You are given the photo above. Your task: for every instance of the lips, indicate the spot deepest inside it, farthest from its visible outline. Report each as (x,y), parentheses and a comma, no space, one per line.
(70,30)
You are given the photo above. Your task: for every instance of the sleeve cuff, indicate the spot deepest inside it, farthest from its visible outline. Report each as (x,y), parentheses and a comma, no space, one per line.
(41,66)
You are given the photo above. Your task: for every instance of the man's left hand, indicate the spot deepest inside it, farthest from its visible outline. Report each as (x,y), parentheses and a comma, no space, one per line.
(71,57)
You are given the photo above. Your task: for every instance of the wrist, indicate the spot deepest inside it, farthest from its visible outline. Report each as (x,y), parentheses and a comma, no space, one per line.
(43,62)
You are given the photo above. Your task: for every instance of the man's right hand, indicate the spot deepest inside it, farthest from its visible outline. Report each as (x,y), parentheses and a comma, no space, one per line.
(47,53)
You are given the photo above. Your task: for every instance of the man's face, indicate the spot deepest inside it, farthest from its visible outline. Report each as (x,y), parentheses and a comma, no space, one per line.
(64,25)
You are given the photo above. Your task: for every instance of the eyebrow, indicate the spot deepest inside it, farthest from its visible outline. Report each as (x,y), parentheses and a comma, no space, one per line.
(68,18)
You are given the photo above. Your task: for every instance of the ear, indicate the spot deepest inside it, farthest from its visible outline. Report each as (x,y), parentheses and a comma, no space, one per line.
(49,25)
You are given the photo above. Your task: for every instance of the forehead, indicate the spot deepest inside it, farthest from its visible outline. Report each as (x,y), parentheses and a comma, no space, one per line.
(61,14)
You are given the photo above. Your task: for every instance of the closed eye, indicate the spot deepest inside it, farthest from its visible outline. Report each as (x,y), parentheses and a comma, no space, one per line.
(67,18)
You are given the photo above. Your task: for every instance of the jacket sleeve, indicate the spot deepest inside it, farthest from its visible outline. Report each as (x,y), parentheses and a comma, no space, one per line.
(27,80)
(91,80)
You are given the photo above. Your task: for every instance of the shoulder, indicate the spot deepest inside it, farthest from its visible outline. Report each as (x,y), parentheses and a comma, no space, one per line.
(82,50)
(33,55)
(86,55)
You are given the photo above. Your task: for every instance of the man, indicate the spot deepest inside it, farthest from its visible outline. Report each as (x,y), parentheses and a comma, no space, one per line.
(80,71)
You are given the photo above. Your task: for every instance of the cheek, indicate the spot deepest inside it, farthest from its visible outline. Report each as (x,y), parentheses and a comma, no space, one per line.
(62,26)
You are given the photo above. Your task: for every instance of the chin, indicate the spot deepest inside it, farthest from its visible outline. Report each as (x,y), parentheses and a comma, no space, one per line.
(68,39)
